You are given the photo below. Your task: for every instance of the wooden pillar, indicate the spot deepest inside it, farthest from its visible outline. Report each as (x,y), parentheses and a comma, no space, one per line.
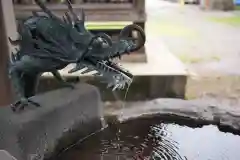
(7,25)
(139,5)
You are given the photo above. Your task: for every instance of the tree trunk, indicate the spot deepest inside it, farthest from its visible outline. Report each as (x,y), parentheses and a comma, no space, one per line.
(223,5)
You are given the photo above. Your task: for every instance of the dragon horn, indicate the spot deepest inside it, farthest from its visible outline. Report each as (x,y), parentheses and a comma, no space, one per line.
(64,19)
(71,10)
(45,9)
(69,19)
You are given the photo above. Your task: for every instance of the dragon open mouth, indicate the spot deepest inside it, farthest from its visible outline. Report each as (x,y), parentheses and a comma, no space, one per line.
(103,60)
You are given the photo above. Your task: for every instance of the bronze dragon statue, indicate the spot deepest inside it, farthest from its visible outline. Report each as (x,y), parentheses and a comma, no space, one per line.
(48,43)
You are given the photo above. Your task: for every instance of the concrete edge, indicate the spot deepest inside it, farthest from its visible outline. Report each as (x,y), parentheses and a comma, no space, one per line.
(5,155)
(195,113)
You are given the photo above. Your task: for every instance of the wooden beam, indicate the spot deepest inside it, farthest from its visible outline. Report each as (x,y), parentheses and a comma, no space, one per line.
(57,7)
(7,28)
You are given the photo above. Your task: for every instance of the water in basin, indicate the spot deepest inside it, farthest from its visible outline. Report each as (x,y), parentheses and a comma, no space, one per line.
(153,139)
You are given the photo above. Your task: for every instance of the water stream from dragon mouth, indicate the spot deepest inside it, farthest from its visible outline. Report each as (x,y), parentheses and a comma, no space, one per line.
(122,102)
(121,114)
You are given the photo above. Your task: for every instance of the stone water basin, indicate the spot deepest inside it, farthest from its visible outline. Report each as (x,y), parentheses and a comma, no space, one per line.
(152,138)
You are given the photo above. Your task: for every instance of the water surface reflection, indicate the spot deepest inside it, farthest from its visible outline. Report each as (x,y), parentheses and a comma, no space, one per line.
(151,139)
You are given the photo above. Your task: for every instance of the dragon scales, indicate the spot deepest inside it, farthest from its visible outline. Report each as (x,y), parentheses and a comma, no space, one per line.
(48,43)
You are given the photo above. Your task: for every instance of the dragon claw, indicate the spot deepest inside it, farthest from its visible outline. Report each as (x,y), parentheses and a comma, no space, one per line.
(21,104)
(34,103)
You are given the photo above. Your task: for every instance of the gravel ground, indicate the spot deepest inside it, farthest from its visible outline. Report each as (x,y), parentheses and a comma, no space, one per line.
(204,43)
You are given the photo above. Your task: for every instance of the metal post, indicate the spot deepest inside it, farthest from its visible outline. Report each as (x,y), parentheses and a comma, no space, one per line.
(7,25)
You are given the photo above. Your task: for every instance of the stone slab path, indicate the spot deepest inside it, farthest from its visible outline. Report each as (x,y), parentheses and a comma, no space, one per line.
(206,41)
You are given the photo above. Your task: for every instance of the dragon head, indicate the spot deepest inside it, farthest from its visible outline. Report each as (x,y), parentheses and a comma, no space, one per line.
(102,50)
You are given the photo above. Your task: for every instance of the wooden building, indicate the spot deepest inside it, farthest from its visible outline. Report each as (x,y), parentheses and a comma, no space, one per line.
(96,10)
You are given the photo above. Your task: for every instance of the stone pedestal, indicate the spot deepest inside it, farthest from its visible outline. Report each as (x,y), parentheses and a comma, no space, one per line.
(65,117)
